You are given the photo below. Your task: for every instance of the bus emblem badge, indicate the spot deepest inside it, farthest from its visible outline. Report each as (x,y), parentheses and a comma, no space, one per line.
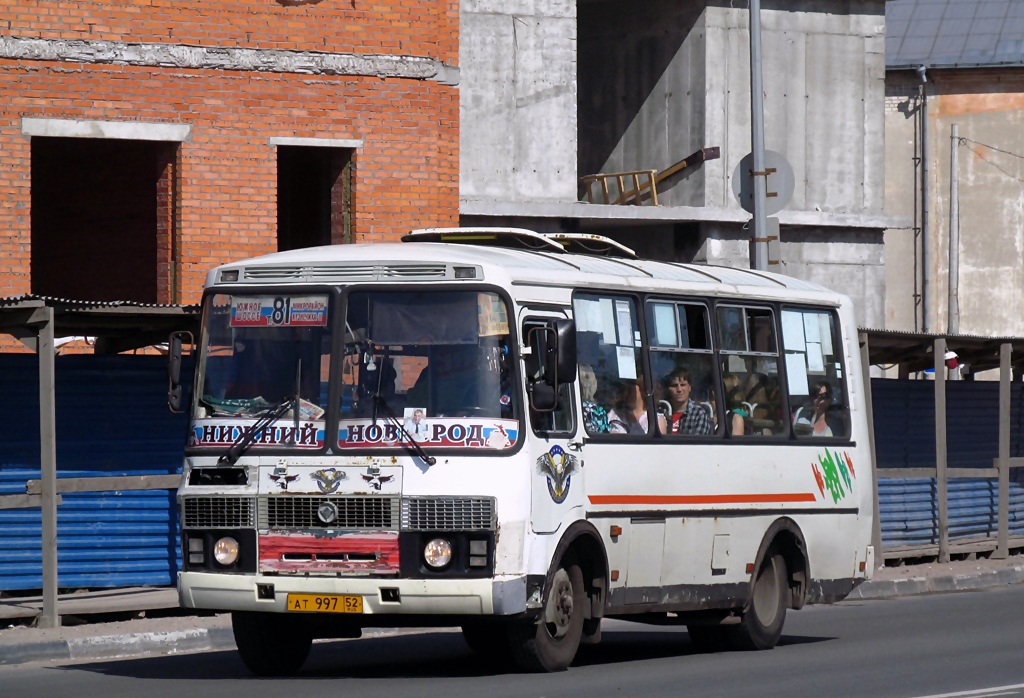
(327,512)
(328,479)
(558,467)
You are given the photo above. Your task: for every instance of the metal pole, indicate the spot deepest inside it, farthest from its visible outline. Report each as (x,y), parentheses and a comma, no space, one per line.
(941,489)
(48,470)
(876,524)
(1003,533)
(954,231)
(759,223)
(926,283)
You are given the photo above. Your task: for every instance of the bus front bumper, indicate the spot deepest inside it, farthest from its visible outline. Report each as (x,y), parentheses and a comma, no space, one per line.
(499,596)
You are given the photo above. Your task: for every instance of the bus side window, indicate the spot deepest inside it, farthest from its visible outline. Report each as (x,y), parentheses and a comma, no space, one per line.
(814,373)
(751,385)
(609,356)
(683,367)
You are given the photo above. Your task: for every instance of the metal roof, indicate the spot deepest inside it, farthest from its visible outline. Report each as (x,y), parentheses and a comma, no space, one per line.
(914,349)
(954,33)
(117,325)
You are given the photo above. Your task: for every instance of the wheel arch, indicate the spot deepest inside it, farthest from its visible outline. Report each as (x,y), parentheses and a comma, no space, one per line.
(581,545)
(786,536)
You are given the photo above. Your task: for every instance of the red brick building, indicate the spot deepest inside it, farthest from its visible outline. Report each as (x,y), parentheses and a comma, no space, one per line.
(144,141)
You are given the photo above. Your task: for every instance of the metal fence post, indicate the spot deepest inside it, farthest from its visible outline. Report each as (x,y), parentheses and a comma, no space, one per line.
(876,523)
(1003,534)
(941,489)
(48,469)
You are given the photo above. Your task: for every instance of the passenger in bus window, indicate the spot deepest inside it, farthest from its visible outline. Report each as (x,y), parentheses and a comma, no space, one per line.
(687,416)
(816,419)
(629,416)
(737,412)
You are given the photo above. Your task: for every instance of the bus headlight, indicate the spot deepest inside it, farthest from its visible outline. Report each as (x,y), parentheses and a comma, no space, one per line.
(438,553)
(225,551)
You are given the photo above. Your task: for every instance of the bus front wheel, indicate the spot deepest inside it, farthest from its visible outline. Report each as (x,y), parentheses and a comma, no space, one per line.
(551,643)
(270,644)
(761,625)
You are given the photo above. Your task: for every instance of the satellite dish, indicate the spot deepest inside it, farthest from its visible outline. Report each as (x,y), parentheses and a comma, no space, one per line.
(779,183)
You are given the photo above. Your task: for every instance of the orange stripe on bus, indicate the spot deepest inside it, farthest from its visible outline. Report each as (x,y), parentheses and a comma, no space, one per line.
(703,498)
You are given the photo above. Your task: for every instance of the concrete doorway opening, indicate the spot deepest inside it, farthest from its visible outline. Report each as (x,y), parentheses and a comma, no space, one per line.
(103,219)
(314,196)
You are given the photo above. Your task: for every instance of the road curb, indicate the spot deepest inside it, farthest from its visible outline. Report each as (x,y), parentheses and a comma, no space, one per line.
(119,646)
(150,644)
(914,586)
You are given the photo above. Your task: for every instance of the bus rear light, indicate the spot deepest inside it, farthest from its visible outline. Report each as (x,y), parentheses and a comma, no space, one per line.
(750,568)
(615,575)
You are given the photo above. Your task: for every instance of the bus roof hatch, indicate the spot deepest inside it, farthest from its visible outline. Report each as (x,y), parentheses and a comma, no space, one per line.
(520,238)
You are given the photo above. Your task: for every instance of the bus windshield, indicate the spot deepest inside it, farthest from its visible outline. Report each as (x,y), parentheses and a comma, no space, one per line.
(436,362)
(260,352)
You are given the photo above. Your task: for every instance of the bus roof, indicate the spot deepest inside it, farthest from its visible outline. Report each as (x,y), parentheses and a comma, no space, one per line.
(467,260)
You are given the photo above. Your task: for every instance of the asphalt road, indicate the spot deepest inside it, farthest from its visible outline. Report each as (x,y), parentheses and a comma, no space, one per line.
(969,643)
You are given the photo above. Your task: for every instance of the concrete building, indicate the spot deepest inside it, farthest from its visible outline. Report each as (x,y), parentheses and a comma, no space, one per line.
(553,90)
(143,142)
(957,63)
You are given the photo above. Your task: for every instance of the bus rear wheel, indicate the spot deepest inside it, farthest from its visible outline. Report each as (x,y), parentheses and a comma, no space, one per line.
(551,644)
(271,644)
(761,625)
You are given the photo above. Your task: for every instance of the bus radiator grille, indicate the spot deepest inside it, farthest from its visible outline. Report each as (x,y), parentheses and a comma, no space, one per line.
(218,512)
(448,514)
(300,512)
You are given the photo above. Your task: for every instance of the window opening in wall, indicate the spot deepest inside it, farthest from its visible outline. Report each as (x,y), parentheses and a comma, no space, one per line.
(103,219)
(314,196)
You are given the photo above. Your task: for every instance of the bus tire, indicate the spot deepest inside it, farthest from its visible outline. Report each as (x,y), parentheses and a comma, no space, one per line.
(270,644)
(761,624)
(551,643)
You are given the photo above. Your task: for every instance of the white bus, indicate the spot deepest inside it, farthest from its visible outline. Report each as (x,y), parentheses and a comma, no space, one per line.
(520,435)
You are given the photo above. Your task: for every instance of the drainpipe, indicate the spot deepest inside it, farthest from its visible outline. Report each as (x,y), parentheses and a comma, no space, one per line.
(954,232)
(926,281)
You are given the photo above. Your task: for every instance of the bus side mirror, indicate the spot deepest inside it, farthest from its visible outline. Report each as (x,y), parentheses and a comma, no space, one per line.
(554,344)
(174,351)
(543,397)
(565,351)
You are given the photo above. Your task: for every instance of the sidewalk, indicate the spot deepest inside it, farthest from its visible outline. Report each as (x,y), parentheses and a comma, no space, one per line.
(94,637)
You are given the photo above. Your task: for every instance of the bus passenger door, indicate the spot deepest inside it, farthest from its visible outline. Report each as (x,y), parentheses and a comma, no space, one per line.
(555,456)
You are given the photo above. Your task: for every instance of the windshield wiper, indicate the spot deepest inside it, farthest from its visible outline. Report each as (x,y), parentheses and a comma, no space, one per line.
(408,442)
(245,439)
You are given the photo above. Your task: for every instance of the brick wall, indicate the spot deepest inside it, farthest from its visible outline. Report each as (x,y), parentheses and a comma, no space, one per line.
(406,172)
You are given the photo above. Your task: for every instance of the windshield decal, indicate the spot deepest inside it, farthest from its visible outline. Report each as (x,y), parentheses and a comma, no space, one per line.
(221,432)
(279,311)
(444,432)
